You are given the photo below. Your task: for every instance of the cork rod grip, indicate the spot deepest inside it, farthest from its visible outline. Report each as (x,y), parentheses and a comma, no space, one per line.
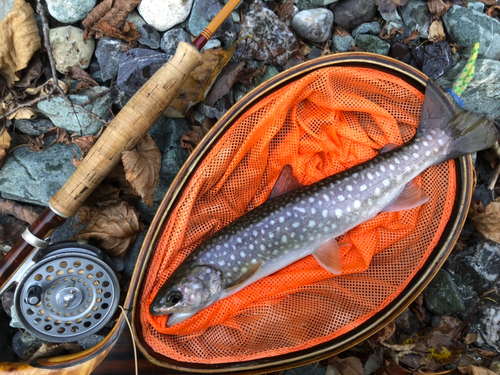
(130,125)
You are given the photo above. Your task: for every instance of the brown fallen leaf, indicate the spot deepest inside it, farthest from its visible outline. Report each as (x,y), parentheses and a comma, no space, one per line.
(225,82)
(20,40)
(475,370)
(142,168)
(118,179)
(413,35)
(189,140)
(493,11)
(489,2)
(85,80)
(486,220)
(201,79)
(32,73)
(62,135)
(11,230)
(34,143)
(103,193)
(22,212)
(337,30)
(471,338)
(385,333)
(438,7)
(416,308)
(350,366)
(115,227)
(108,19)
(51,350)
(387,6)
(436,31)
(85,143)
(4,142)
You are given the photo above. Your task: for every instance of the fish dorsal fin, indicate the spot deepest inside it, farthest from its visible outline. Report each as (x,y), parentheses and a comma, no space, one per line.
(388,147)
(252,270)
(286,182)
(412,196)
(328,256)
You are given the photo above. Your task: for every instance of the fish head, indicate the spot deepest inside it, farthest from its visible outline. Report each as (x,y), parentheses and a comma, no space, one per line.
(185,294)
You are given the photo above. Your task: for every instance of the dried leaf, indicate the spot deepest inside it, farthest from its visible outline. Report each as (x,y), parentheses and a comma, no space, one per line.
(350,366)
(115,227)
(387,6)
(285,11)
(118,179)
(4,142)
(85,143)
(475,370)
(32,73)
(85,79)
(62,135)
(246,75)
(438,7)
(413,35)
(20,40)
(47,86)
(493,11)
(225,82)
(108,19)
(417,309)
(471,338)
(383,34)
(484,353)
(385,333)
(201,79)
(34,143)
(11,230)
(390,369)
(51,350)
(189,140)
(489,2)
(142,168)
(22,212)
(104,192)
(337,30)
(486,220)
(85,215)
(436,31)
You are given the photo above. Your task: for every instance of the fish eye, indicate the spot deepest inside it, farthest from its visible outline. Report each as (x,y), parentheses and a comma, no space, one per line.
(174,298)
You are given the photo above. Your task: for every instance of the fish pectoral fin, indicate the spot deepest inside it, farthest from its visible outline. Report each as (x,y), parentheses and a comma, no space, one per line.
(286,182)
(328,256)
(388,147)
(252,270)
(412,196)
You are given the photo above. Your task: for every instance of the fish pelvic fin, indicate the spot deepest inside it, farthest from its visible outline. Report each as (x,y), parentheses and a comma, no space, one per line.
(285,183)
(412,196)
(328,256)
(469,132)
(252,270)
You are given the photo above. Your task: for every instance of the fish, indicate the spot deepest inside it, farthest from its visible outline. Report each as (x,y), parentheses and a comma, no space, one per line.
(298,221)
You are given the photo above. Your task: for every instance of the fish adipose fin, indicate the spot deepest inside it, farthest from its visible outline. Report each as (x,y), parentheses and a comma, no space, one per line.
(252,270)
(286,182)
(328,256)
(412,196)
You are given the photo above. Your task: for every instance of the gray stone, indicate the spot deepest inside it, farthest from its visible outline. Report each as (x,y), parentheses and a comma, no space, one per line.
(312,4)
(466,26)
(65,231)
(349,14)
(137,66)
(90,341)
(373,44)
(118,263)
(108,54)
(133,254)
(437,59)
(171,39)
(18,346)
(476,5)
(202,13)
(342,44)
(72,119)
(488,325)
(149,36)
(5,7)
(69,48)
(33,177)
(241,89)
(167,135)
(483,92)
(236,17)
(272,41)
(70,11)
(212,43)
(313,24)
(164,14)
(393,21)
(31,340)
(34,127)
(119,97)
(371,28)
(441,296)
(7,301)
(416,16)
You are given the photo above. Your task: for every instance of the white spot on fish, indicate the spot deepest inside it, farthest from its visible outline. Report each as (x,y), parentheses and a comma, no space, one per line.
(300,209)
(429,137)
(427,153)
(436,149)
(311,223)
(377,191)
(255,233)
(272,222)
(415,155)
(254,261)
(362,188)
(275,252)
(263,247)
(292,234)
(244,269)
(407,169)
(392,167)
(271,235)
(405,157)
(281,219)
(242,254)
(357,204)
(348,209)
(355,175)
(326,198)
(370,202)
(425,143)
(284,239)
(399,178)
(217,247)
(415,147)
(311,200)
(288,213)
(386,182)
(313,211)
(235,269)
(324,213)
(239,240)
(349,187)
(441,142)
(370,176)
(296,225)
(251,247)
(382,169)
(341,198)
(334,226)
(221,263)
(229,274)
(232,257)
(338,213)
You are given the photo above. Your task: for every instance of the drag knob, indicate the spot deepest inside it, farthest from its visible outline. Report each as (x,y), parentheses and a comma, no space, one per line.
(34,295)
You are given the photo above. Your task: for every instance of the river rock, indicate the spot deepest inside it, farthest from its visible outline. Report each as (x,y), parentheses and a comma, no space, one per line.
(34,127)
(312,4)
(466,26)
(90,341)
(272,41)
(441,296)
(133,253)
(31,341)
(401,52)
(483,92)
(70,11)
(313,24)
(476,5)
(33,177)
(18,346)
(164,14)
(69,48)
(416,16)
(211,44)
(171,39)
(149,36)
(342,44)
(437,59)
(372,28)
(63,115)
(349,14)
(373,44)
(393,21)
(108,53)
(167,135)
(203,13)
(137,66)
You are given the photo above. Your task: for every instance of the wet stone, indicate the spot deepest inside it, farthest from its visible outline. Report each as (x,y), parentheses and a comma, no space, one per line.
(8,301)
(437,59)
(69,48)
(476,5)
(34,127)
(400,52)
(416,16)
(315,52)
(342,44)
(31,341)
(18,346)
(202,13)
(90,341)
(149,36)
(312,4)
(373,44)
(108,53)
(372,28)
(137,66)
(133,254)
(352,13)
(393,21)
(118,97)
(313,24)
(171,39)
(441,297)
(164,14)
(211,44)
(70,11)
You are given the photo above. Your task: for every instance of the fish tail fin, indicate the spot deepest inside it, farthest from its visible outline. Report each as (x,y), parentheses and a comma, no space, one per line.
(468,131)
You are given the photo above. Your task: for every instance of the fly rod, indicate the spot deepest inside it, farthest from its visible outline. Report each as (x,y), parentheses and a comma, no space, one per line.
(122,134)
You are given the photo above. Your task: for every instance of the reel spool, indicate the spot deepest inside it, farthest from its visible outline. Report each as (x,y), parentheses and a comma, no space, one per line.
(69,293)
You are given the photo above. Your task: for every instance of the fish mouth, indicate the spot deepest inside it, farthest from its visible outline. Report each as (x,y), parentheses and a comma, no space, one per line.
(159,310)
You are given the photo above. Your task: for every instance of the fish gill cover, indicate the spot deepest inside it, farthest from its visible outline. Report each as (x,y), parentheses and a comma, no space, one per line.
(326,122)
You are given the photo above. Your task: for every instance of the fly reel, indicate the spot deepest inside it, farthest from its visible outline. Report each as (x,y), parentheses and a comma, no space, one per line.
(70,292)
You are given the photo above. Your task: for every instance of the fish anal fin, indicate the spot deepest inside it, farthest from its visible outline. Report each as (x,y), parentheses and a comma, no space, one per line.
(252,270)
(286,182)
(328,256)
(388,147)
(412,196)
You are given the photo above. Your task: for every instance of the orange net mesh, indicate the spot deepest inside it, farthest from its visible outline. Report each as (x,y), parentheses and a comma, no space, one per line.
(321,124)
